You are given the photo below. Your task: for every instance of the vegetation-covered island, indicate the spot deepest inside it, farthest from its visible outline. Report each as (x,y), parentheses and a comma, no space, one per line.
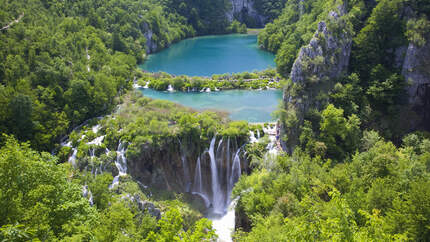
(86,155)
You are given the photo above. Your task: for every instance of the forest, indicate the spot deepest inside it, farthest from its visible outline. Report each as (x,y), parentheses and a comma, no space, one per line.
(355,164)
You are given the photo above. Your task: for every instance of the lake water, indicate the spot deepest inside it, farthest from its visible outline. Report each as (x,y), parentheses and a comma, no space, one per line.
(208,55)
(249,105)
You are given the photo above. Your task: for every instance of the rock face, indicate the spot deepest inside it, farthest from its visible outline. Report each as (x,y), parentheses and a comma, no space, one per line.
(207,172)
(327,55)
(416,70)
(151,46)
(144,206)
(245,12)
(316,69)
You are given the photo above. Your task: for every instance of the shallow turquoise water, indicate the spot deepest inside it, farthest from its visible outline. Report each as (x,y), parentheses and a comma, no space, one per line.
(249,105)
(208,55)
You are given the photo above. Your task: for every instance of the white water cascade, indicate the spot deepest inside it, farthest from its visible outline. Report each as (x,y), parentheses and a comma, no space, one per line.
(252,138)
(120,163)
(87,193)
(217,195)
(72,158)
(170,88)
(235,171)
(198,184)
(224,166)
(186,173)
(224,225)
(187,181)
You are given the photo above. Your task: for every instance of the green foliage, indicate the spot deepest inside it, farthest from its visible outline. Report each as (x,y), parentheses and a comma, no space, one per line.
(206,16)
(376,42)
(99,188)
(42,200)
(246,80)
(378,195)
(37,200)
(237,27)
(339,134)
(418,30)
(170,229)
(293,29)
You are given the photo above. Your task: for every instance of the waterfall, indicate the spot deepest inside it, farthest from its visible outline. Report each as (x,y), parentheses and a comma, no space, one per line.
(186,173)
(170,88)
(198,185)
(97,141)
(120,163)
(219,159)
(225,170)
(92,151)
(72,158)
(217,194)
(252,138)
(235,172)
(87,193)
(228,172)
(96,128)
(258,133)
(224,225)
(185,168)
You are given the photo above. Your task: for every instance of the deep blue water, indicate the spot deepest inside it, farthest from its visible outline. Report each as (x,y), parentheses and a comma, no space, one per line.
(208,55)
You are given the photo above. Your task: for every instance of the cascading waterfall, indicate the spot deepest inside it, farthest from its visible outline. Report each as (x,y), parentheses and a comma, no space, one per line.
(186,173)
(235,172)
(120,163)
(185,168)
(170,88)
(224,165)
(92,154)
(198,184)
(252,138)
(225,170)
(87,193)
(217,194)
(72,158)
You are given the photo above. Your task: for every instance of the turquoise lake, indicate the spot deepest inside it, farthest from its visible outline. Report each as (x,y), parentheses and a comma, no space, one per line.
(249,105)
(208,55)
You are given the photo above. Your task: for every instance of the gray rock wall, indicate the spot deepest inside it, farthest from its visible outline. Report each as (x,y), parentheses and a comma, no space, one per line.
(316,69)
(242,9)
(151,46)
(416,70)
(326,56)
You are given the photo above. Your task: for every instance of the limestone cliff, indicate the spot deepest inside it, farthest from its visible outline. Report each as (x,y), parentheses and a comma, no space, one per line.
(245,12)
(316,69)
(416,70)
(326,57)
(151,45)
